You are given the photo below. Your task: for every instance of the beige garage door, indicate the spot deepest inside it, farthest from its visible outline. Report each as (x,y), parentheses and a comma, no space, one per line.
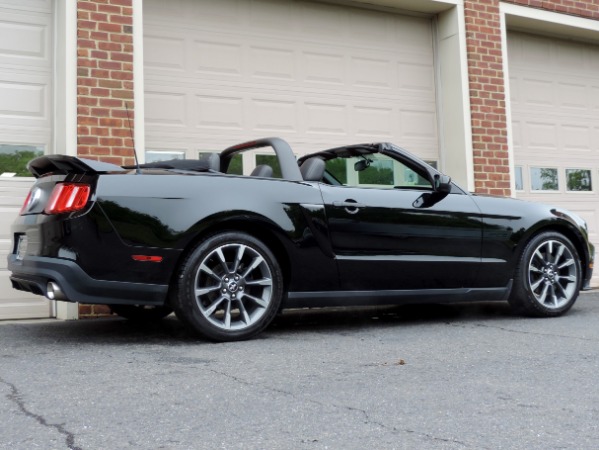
(26,42)
(554,88)
(318,75)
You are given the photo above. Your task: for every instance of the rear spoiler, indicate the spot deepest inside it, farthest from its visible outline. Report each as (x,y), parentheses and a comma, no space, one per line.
(63,164)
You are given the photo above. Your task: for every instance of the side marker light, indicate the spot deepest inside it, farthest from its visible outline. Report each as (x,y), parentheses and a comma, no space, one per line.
(146,258)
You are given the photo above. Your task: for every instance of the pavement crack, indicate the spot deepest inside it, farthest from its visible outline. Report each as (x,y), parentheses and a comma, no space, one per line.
(532,333)
(15,396)
(367,418)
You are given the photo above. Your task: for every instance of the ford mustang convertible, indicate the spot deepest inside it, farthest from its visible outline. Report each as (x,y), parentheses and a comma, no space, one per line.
(358,225)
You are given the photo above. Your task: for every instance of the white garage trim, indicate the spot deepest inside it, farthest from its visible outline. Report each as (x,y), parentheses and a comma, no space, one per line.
(65,78)
(453,103)
(65,104)
(532,20)
(138,81)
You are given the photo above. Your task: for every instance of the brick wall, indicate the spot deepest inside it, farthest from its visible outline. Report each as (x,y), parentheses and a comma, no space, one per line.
(487,85)
(105,80)
(104,88)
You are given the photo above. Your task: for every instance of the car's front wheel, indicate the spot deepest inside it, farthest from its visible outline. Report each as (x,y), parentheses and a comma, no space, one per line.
(548,276)
(229,287)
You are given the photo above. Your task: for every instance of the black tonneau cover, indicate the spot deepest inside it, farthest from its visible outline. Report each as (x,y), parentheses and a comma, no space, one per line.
(197,165)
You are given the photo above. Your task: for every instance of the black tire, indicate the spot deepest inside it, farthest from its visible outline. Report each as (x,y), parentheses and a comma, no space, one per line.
(141,313)
(229,288)
(548,276)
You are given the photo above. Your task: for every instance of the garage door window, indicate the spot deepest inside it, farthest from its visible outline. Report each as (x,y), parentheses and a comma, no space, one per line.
(154,156)
(579,180)
(14,158)
(543,179)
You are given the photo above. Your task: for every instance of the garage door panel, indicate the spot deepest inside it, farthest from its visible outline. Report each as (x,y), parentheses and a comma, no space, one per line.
(257,114)
(164,53)
(26,71)
(219,58)
(23,101)
(320,68)
(166,109)
(278,66)
(220,111)
(20,305)
(309,72)
(575,139)
(45,6)
(573,95)
(24,39)
(326,118)
(269,62)
(554,85)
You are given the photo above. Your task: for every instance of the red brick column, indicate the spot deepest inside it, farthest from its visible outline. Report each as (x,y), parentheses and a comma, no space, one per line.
(104,88)
(105,80)
(487,97)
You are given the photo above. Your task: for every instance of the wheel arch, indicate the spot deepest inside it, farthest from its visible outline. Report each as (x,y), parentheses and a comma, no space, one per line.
(571,233)
(257,227)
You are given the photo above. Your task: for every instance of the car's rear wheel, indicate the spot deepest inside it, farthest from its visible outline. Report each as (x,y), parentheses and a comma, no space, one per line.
(548,276)
(229,287)
(141,313)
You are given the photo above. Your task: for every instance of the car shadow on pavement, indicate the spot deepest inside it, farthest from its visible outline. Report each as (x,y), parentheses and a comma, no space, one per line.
(336,319)
(170,331)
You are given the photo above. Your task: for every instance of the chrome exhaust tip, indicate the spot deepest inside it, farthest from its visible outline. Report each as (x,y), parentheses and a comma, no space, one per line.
(53,291)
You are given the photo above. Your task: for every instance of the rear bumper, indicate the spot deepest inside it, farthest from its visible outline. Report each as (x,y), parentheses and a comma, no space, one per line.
(33,274)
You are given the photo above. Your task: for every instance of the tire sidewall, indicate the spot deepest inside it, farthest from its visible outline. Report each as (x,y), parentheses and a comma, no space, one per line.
(185,303)
(523,298)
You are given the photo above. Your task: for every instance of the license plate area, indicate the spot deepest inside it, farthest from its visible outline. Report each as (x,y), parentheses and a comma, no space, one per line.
(21,249)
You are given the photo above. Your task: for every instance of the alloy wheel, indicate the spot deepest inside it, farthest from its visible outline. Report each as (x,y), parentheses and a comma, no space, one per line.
(553,274)
(233,286)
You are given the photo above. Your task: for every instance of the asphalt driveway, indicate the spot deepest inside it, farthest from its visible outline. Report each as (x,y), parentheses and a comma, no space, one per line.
(438,377)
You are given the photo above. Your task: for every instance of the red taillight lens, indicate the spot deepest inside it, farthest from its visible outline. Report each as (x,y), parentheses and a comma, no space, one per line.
(67,197)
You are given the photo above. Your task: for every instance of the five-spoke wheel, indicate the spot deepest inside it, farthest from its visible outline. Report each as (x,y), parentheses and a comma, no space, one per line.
(229,288)
(548,277)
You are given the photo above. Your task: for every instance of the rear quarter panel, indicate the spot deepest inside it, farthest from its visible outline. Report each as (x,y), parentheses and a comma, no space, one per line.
(176,211)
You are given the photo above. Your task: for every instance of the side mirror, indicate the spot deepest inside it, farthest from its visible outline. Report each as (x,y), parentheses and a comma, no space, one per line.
(442,184)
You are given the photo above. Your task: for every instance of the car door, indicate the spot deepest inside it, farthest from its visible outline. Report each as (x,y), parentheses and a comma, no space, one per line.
(390,230)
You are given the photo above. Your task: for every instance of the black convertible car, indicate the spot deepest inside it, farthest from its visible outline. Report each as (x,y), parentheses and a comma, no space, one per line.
(356,225)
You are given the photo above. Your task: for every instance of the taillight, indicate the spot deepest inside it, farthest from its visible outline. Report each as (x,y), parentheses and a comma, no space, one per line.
(67,197)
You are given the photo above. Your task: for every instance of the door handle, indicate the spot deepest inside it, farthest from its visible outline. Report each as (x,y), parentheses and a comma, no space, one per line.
(351,206)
